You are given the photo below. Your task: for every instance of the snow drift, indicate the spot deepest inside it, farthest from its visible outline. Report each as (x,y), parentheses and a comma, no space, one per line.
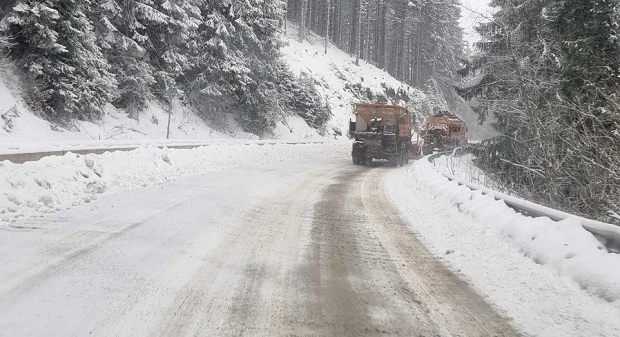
(564,246)
(52,184)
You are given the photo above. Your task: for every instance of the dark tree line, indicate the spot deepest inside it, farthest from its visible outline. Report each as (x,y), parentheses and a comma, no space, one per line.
(219,56)
(548,72)
(415,41)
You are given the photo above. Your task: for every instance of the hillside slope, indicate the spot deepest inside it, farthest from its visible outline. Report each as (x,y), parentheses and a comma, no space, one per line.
(342,83)
(336,77)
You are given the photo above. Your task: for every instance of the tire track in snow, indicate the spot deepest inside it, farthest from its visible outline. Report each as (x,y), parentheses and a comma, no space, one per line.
(239,290)
(453,306)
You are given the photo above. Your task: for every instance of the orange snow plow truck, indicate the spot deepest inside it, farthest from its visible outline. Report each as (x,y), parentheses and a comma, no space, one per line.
(381,131)
(441,132)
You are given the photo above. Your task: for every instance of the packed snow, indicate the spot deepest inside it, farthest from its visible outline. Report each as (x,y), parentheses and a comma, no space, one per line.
(552,278)
(55,183)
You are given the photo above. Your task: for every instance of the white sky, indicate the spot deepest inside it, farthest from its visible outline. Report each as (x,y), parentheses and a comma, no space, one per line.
(469,17)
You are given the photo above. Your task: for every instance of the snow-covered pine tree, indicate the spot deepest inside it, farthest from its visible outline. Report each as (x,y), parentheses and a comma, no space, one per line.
(174,40)
(54,42)
(549,76)
(217,67)
(258,27)
(587,36)
(589,55)
(435,44)
(125,44)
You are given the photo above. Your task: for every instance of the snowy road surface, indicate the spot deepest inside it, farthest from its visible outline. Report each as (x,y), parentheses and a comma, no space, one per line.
(311,248)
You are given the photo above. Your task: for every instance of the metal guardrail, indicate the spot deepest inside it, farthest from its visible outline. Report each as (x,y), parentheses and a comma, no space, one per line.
(20,158)
(607,234)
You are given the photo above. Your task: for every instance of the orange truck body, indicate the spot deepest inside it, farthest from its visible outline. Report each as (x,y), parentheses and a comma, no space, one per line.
(381,131)
(442,132)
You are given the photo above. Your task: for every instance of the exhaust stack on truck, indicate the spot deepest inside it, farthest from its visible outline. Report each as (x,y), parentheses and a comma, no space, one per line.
(381,131)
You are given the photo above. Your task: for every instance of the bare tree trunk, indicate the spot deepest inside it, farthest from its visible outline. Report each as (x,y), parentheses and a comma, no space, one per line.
(309,12)
(400,45)
(377,33)
(410,61)
(418,46)
(358,34)
(367,37)
(327,23)
(302,21)
(382,36)
(285,16)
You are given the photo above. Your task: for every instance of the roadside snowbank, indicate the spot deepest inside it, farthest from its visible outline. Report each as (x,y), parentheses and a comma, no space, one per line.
(56,183)
(541,273)
(8,148)
(563,245)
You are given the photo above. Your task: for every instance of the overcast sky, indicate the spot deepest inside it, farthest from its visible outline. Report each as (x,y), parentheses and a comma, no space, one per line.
(469,18)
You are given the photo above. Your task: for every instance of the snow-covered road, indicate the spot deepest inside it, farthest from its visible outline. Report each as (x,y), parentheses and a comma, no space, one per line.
(311,248)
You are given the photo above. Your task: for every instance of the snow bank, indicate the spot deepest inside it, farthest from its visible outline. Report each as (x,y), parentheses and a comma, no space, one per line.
(8,148)
(564,246)
(56,183)
(550,278)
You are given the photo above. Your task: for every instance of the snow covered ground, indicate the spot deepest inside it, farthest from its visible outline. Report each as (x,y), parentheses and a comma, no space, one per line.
(19,125)
(55,183)
(551,278)
(278,250)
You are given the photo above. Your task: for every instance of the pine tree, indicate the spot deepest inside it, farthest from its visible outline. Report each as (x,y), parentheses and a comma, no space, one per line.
(217,69)
(437,43)
(54,42)
(550,78)
(124,43)
(170,27)
(590,53)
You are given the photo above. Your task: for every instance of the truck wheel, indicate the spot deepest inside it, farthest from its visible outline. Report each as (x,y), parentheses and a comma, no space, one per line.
(356,160)
(394,161)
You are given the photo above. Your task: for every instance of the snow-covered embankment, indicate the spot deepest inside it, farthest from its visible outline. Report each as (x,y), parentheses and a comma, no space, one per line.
(552,278)
(55,183)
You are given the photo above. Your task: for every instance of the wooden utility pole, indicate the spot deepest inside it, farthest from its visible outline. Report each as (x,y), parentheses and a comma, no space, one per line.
(170,94)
